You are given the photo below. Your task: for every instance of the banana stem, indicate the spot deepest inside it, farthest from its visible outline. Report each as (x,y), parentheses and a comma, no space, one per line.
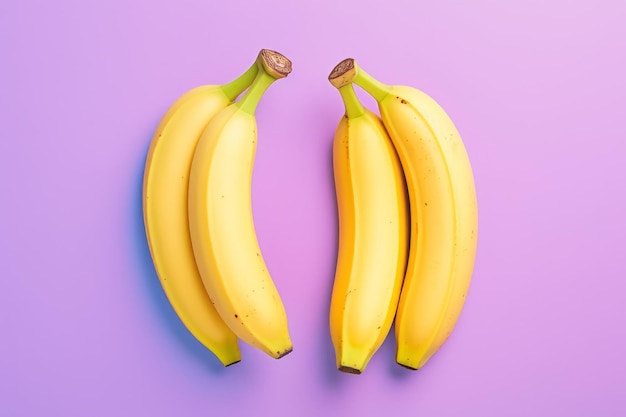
(370,84)
(252,97)
(354,108)
(233,89)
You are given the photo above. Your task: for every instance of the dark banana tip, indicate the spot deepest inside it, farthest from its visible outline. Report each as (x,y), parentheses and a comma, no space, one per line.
(349,370)
(283,353)
(232,363)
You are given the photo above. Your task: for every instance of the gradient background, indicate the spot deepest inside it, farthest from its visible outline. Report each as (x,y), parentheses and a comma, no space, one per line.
(537,90)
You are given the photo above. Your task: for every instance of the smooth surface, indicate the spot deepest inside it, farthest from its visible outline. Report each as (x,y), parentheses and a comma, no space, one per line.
(538,92)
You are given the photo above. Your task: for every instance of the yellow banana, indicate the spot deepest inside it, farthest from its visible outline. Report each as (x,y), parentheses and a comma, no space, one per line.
(220,217)
(373,233)
(166,180)
(444,216)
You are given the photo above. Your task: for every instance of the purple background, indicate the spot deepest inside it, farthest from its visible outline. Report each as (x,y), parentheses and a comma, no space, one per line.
(537,90)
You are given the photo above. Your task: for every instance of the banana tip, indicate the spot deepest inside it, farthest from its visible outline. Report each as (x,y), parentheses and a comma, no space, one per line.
(349,370)
(412,368)
(283,353)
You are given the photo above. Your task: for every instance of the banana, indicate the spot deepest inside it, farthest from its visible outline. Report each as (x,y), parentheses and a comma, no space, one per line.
(166,179)
(220,217)
(444,215)
(373,233)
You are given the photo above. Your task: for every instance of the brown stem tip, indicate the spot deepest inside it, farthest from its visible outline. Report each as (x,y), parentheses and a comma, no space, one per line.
(341,68)
(343,73)
(276,64)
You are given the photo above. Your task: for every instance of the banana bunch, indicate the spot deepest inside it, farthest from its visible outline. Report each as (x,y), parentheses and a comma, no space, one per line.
(407,220)
(376,279)
(198,215)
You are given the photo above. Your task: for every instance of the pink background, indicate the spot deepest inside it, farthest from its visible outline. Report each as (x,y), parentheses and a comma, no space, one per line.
(537,90)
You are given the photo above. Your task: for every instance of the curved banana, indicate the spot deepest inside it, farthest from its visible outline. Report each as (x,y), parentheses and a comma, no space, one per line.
(444,216)
(166,179)
(220,218)
(373,234)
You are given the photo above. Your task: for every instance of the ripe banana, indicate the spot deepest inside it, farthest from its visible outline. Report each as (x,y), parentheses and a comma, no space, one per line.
(220,217)
(444,216)
(373,233)
(166,179)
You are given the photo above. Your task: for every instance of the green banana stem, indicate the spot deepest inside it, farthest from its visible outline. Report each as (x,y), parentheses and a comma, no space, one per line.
(354,108)
(233,89)
(370,84)
(252,97)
